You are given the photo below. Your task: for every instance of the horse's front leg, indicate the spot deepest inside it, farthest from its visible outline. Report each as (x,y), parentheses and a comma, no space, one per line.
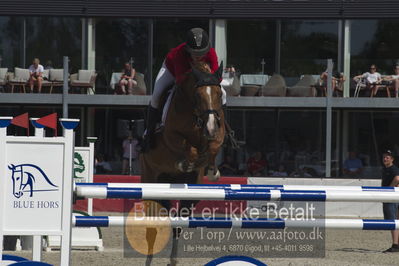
(213,171)
(187,165)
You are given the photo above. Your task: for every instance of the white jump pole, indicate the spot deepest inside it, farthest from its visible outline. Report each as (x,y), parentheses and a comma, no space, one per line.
(258,223)
(237,186)
(236,194)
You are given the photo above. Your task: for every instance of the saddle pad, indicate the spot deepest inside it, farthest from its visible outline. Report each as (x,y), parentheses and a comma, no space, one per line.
(166,108)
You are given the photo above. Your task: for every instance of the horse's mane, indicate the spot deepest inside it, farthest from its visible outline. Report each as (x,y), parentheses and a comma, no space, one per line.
(202,66)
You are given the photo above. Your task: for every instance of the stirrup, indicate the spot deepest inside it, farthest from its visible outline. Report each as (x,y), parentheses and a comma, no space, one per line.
(232,140)
(230,136)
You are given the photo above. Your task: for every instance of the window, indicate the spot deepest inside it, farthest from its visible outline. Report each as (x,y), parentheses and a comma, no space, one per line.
(292,138)
(11,37)
(118,41)
(306,45)
(51,38)
(249,43)
(374,42)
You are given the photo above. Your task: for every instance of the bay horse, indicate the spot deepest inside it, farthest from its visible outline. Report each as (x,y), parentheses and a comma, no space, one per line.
(193,133)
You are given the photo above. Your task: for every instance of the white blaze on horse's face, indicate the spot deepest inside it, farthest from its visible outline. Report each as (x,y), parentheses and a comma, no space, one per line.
(211,124)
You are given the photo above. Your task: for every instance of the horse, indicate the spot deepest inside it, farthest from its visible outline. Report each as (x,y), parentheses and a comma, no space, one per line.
(193,132)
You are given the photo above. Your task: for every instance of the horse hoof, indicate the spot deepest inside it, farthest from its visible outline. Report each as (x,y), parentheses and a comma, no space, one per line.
(212,176)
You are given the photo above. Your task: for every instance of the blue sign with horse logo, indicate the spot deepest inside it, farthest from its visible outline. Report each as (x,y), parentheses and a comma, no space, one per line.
(29,178)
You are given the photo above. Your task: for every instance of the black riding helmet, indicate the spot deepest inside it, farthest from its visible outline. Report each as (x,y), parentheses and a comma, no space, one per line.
(197,42)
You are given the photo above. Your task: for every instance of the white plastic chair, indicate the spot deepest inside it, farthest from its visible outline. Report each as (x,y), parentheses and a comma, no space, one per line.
(361,84)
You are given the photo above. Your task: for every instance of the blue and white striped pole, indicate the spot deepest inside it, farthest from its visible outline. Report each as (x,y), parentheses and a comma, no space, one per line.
(146,193)
(260,223)
(236,186)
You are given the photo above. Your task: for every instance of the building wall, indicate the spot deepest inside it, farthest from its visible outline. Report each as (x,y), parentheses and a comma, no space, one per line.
(205,8)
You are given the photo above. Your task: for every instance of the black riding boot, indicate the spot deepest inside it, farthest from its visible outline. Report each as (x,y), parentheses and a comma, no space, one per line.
(153,117)
(230,139)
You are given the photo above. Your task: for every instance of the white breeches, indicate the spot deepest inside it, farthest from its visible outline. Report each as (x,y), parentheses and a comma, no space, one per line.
(164,80)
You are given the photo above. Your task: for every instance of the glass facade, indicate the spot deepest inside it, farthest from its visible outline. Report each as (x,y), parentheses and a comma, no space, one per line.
(290,139)
(376,45)
(11,36)
(260,34)
(370,133)
(49,39)
(306,45)
(119,41)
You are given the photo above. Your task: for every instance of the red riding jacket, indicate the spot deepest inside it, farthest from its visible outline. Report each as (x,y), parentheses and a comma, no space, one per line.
(178,61)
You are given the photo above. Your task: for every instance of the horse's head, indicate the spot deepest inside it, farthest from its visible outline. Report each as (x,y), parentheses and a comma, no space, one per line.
(16,180)
(208,99)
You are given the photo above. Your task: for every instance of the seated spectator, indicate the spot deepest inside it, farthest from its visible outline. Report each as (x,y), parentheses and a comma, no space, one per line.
(256,165)
(281,171)
(49,65)
(228,166)
(309,172)
(373,80)
(304,172)
(338,80)
(353,166)
(101,166)
(128,79)
(228,76)
(393,80)
(36,75)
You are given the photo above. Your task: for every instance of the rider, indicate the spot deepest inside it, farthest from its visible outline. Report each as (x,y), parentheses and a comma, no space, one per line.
(177,63)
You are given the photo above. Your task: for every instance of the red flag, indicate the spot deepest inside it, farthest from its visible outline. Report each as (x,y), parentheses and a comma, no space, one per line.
(49,121)
(21,121)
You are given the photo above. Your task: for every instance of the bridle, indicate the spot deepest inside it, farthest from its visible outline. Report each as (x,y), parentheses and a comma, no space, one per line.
(201,117)
(200,123)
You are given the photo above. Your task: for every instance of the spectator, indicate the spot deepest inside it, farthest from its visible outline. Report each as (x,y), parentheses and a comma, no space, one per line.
(304,172)
(128,79)
(101,166)
(49,65)
(281,171)
(228,167)
(393,80)
(228,76)
(338,80)
(353,166)
(256,165)
(373,79)
(390,178)
(129,147)
(36,75)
